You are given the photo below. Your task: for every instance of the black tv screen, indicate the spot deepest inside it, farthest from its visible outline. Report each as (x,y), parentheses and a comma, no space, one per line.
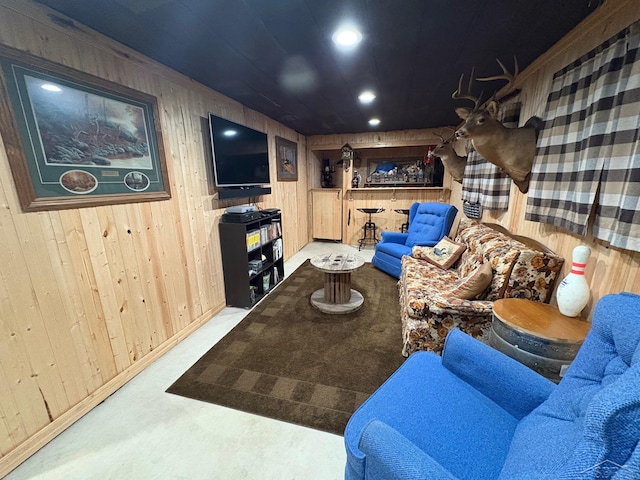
(240,154)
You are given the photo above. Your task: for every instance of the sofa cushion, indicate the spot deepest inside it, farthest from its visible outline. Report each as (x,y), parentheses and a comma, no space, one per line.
(428,314)
(421,280)
(474,284)
(442,255)
(533,275)
(496,248)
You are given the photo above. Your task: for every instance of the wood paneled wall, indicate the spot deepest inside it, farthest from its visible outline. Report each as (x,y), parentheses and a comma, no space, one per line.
(89,297)
(389,199)
(609,269)
(398,144)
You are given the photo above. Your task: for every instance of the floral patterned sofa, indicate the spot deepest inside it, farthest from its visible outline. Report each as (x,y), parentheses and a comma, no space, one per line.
(521,268)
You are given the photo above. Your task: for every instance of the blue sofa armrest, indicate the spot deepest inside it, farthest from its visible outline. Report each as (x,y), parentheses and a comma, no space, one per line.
(512,385)
(391,456)
(394,237)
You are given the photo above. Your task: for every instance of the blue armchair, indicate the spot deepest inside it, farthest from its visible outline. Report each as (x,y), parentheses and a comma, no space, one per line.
(428,223)
(475,413)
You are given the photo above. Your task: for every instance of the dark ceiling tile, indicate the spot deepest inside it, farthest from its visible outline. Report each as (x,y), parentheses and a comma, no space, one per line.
(277,57)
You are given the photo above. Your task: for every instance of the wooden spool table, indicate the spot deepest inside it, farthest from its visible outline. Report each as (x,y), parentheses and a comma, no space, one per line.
(337,296)
(537,335)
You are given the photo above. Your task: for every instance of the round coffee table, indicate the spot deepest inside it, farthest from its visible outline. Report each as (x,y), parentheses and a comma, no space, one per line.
(337,296)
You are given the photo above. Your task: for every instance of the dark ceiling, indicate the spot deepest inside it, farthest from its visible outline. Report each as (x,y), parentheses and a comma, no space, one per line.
(277,56)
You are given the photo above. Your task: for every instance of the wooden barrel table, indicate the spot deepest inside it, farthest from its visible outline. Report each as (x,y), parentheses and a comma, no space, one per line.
(337,296)
(537,335)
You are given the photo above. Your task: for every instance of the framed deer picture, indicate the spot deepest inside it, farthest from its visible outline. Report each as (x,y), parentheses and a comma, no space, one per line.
(287,160)
(75,140)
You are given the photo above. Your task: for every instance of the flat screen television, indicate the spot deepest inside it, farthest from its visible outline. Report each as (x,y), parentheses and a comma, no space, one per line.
(240,154)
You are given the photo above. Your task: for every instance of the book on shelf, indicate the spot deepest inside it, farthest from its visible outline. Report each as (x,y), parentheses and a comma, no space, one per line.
(277,249)
(275,229)
(253,240)
(264,234)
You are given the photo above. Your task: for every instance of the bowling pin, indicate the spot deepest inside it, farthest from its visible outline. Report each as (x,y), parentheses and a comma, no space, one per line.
(573,293)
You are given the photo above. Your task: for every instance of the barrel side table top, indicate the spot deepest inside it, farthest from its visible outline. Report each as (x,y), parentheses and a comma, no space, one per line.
(541,320)
(337,262)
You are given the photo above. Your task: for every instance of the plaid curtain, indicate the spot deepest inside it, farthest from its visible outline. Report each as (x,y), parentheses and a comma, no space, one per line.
(483,182)
(587,165)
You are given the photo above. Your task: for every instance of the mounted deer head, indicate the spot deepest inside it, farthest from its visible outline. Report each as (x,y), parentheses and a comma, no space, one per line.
(511,149)
(453,163)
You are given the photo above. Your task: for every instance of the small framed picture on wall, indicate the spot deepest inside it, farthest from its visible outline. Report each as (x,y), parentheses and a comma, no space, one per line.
(286,160)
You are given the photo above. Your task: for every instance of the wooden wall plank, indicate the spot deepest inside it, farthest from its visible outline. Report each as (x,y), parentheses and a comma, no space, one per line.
(60,306)
(106,289)
(81,312)
(16,420)
(133,315)
(17,307)
(12,430)
(91,319)
(89,295)
(79,331)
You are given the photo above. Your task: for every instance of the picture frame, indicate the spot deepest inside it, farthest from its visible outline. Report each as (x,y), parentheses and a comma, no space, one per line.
(286,160)
(74,140)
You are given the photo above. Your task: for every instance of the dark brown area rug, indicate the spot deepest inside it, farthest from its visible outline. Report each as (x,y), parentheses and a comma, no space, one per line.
(288,361)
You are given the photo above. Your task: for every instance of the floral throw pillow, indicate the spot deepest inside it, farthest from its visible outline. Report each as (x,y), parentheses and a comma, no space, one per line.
(442,255)
(474,284)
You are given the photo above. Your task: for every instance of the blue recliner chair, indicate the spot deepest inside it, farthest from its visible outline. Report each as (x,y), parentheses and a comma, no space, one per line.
(428,223)
(475,413)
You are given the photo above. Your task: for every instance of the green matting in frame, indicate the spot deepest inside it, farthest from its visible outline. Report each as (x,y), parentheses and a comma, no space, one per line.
(78,140)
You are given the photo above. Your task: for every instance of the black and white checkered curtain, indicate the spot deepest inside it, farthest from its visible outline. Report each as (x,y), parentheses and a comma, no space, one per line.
(483,182)
(587,164)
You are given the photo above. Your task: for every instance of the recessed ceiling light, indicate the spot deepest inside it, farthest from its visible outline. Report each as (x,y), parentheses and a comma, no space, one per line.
(50,87)
(367,97)
(230,133)
(374,121)
(347,37)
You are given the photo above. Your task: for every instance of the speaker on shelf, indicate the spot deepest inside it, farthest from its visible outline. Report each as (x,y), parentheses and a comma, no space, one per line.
(226,193)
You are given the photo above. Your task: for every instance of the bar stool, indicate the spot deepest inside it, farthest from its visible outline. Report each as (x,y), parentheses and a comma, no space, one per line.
(404,228)
(369,228)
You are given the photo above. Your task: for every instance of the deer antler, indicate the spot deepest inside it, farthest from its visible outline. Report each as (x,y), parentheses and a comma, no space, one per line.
(504,76)
(467,96)
(453,134)
(444,140)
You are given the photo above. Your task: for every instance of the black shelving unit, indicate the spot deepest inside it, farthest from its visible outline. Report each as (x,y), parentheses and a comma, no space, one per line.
(251,268)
